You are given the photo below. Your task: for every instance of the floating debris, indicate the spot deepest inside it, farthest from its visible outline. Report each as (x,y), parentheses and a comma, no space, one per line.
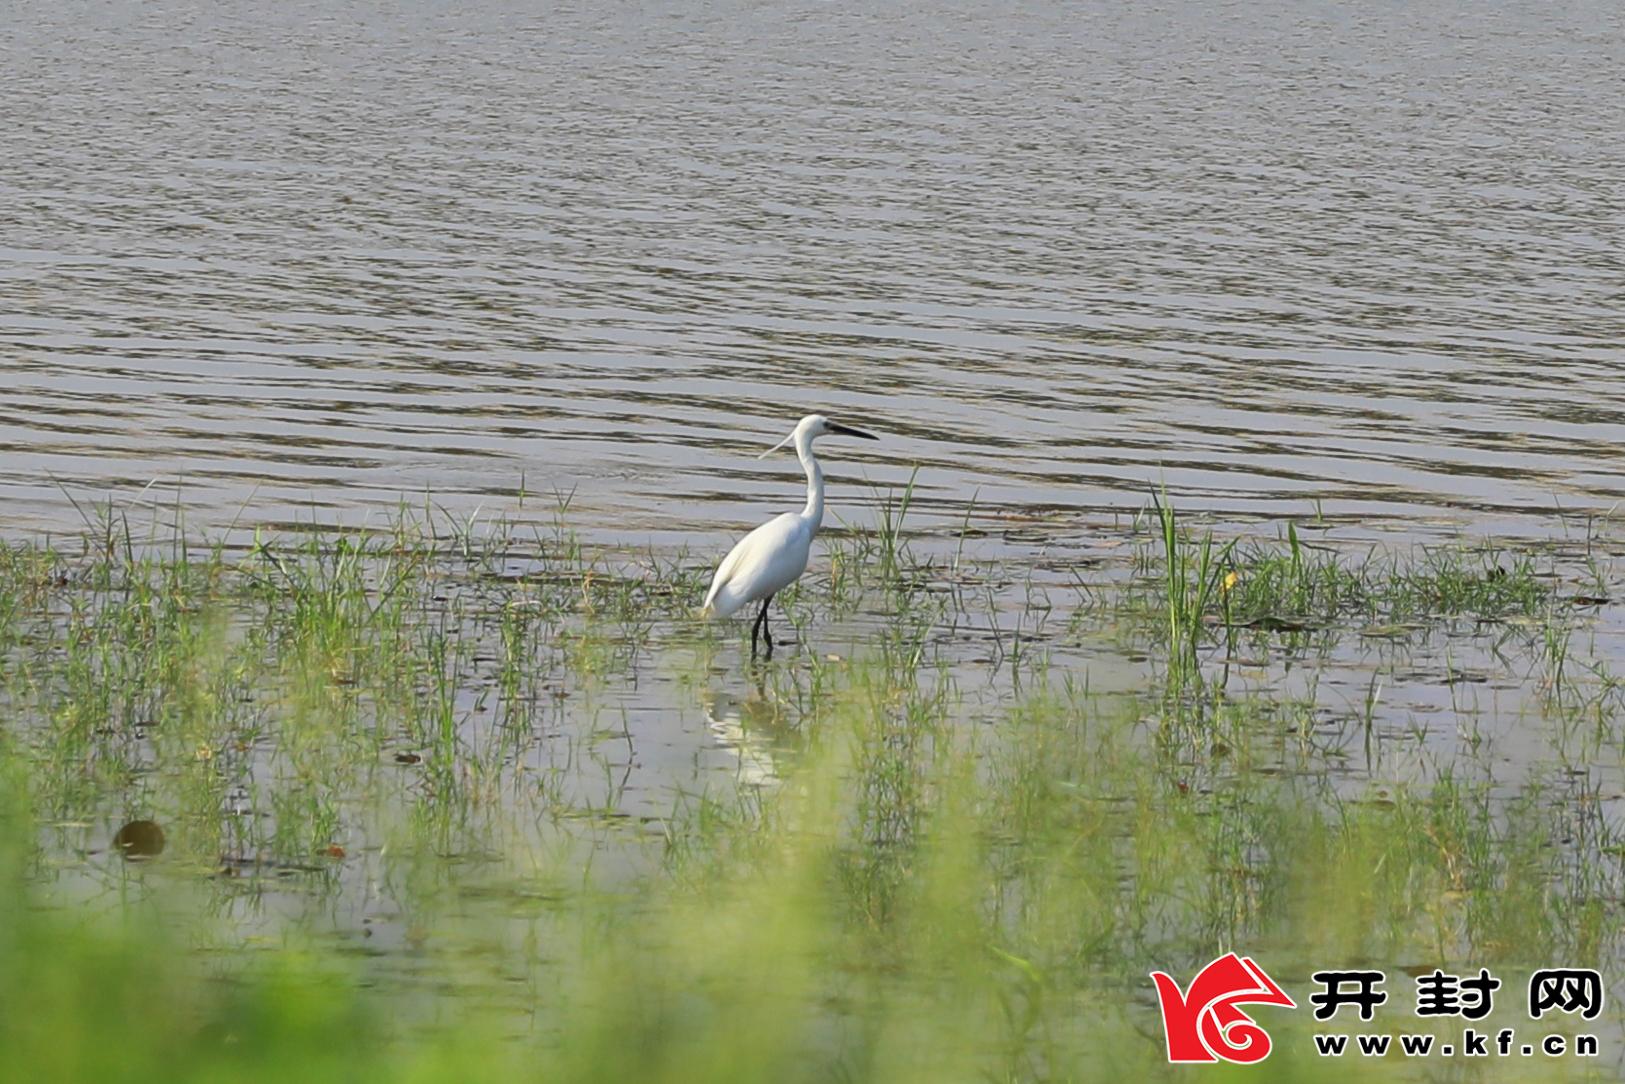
(140,839)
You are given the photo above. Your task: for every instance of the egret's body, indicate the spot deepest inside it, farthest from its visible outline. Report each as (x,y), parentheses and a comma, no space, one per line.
(774,555)
(765,562)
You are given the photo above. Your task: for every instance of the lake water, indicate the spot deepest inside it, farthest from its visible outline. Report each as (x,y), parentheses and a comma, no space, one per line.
(293,261)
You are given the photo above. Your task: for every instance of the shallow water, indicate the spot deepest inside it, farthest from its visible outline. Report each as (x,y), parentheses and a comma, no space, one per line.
(292,261)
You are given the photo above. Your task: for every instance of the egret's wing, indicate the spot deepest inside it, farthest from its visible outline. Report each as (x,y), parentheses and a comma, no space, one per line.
(757,567)
(725,572)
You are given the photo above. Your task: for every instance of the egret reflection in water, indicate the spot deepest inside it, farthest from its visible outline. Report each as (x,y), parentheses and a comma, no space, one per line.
(754,728)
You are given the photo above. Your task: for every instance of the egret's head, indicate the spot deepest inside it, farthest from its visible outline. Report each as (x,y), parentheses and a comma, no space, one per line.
(812,427)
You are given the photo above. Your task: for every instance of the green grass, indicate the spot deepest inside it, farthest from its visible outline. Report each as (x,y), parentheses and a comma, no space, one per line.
(454,800)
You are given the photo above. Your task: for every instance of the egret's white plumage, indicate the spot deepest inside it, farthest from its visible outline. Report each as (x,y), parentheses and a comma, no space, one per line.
(774,555)
(765,562)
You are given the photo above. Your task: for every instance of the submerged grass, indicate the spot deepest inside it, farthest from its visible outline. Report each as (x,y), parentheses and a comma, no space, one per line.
(432,808)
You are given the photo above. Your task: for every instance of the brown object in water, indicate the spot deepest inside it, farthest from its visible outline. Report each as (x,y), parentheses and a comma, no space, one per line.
(140,839)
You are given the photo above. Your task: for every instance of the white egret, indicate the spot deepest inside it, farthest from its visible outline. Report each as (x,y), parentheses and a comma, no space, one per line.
(774,555)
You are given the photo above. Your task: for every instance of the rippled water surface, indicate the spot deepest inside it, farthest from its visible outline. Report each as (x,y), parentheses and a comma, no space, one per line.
(304,258)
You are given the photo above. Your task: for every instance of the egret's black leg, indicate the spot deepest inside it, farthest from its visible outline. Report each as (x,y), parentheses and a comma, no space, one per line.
(756,630)
(767,633)
(761,625)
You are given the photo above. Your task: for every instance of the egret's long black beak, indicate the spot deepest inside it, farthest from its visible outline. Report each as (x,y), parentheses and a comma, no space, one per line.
(848,431)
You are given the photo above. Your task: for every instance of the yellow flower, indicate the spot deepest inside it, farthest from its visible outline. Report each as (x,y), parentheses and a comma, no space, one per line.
(1230,580)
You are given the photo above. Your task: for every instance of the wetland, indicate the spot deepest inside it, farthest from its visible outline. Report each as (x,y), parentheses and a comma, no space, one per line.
(1240,567)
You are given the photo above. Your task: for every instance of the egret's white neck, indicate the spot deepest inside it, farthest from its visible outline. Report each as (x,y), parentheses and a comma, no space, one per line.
(813,514)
